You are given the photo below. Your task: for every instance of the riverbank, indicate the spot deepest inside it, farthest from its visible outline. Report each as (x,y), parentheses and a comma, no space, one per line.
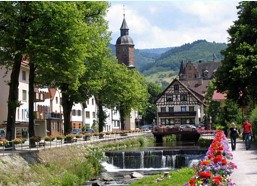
(65,165)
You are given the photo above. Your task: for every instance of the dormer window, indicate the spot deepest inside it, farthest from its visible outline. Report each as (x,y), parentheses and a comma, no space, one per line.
(205,74)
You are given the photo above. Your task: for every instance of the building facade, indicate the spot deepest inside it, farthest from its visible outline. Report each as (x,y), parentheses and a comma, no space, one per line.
(178,105)
(183,102)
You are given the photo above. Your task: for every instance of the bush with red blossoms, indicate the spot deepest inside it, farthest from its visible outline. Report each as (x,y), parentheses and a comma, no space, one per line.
(216,167)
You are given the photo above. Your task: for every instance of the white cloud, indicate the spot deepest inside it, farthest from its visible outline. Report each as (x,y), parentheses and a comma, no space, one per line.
(173,23)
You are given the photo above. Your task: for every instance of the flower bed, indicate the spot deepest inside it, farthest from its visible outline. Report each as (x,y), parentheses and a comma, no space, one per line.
(215,169)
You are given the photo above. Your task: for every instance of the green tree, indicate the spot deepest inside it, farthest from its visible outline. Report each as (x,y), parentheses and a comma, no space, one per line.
(15,22)
(238,73)
(230,113)
(81,38)
(154,90)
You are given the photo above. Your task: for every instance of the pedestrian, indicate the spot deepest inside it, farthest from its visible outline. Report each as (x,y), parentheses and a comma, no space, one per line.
(233,134)
(247,133)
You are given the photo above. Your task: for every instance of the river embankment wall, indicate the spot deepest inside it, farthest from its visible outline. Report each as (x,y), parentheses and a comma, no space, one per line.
(18,164)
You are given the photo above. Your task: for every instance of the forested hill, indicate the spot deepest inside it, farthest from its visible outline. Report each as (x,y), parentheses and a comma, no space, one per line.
(160,65)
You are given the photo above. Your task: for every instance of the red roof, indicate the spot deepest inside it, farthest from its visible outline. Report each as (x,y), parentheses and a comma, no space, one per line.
(217,96)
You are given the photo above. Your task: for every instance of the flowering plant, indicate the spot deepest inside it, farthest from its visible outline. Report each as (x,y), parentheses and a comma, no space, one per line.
(96,134)
(78,135)
(69,137)
(35,138)
(60,137)
(3,142)
(49,138)
(88,134)
(18,140)
(216,167)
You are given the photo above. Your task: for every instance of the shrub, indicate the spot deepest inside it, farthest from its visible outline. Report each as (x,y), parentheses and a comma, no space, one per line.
(18,140)
(60,137)
(49,138)
(35,138)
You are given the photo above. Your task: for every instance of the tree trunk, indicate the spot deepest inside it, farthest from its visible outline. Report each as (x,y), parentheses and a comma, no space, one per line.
(122,117)
(31,102)
(67,104)
(13,102)
(101,116)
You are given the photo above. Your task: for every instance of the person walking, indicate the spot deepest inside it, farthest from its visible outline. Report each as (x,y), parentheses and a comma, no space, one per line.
(233,134)
(247,133)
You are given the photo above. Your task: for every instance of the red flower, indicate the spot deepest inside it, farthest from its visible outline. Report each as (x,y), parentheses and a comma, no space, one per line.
(192,181)
(224,161)
(217,159)
(205,174)
(216,179)
(205,162)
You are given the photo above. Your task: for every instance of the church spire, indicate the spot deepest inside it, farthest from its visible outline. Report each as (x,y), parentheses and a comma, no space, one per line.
(124,30)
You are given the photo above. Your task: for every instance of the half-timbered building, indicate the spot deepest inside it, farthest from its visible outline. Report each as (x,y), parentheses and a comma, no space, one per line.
(179,105)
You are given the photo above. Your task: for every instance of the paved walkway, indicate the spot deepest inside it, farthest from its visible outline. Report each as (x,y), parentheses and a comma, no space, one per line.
(19,148)
(246,161)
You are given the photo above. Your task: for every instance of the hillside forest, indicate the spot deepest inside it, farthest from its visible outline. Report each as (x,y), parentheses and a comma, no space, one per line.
(161,65)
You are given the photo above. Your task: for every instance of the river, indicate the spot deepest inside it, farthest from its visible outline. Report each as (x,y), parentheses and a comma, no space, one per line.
(148,161)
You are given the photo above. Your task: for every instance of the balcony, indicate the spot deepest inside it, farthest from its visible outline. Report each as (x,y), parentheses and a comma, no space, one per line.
(174,114)
(54,115)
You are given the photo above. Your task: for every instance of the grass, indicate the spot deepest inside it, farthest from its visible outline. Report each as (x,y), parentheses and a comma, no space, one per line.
(177,178)
(66,166)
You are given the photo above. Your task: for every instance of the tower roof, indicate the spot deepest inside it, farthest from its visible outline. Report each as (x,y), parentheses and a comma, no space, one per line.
(124,25)
(124,38)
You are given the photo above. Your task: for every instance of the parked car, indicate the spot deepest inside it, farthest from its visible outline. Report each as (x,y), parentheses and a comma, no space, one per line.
(76,131)
(187,127)
(2,133)
(146,127)
(89,130)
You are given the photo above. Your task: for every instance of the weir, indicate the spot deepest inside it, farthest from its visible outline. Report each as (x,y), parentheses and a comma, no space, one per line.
(156,159)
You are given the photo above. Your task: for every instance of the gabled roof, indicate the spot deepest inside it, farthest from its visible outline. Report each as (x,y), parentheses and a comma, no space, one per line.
(217,96)
(198,85)
(52,92)
(197,96)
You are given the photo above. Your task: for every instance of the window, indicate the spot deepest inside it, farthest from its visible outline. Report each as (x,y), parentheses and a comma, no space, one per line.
(169,97)
(183,108)
(163,109)
(87,114)
(183,97)
(56,100)
(171,109)
(93,101)
(79,112)
(18,113)
(93,114)
(24,95)
(23,74)
(191,108)
(74,112)
(176,88)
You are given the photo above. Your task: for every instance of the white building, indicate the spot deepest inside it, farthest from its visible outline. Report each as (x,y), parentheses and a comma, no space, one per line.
(179,105)
(22,111)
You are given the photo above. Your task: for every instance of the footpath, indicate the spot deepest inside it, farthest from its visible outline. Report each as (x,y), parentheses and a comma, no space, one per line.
(246,161)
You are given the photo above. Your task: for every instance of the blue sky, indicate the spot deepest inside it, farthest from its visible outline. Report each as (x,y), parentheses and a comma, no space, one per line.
(159,24)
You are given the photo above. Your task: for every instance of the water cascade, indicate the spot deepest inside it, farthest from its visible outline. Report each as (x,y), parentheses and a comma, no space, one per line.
(154,159)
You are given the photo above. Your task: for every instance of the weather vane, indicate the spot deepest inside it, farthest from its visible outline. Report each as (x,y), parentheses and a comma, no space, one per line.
(124,11)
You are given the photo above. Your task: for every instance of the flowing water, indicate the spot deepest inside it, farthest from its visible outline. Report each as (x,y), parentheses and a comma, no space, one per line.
(149,161)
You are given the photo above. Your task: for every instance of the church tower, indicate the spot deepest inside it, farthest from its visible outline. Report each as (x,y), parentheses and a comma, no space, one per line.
(125,46)
(125,55)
